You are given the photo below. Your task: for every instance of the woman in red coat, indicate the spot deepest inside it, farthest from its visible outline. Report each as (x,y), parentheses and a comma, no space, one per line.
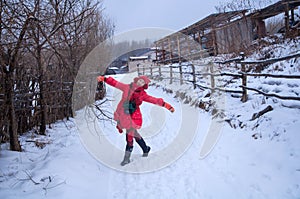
(128,114)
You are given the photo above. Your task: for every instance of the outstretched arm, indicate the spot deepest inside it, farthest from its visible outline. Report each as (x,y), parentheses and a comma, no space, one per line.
(112,82)
(158,101)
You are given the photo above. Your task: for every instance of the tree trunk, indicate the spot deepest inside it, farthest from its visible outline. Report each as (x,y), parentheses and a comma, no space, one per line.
(13,125)
(42,92)
(43,109)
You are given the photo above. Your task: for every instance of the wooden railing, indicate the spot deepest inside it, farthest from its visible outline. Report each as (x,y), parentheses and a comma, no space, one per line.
(187,73)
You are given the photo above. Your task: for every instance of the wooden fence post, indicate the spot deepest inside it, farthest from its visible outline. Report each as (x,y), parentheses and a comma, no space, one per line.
(244,79)
(212,78)
(143,70)
(180,73)
(151,73)
(244,83)
(159,70)
(156,55)
(138,69)
(171,74)
(194,75)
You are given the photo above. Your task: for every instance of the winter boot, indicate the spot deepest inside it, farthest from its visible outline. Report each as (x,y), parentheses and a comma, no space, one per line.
(145,154)
(126,159)
(144,147)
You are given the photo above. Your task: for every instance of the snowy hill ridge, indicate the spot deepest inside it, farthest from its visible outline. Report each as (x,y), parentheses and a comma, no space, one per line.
(257,158)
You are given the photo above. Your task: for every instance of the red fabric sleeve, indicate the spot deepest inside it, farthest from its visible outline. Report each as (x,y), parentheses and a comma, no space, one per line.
(153,100)
(119,85)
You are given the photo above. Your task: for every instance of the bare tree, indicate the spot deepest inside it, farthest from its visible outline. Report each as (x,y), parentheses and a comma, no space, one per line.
(14,24)
(235,5)
(42,46)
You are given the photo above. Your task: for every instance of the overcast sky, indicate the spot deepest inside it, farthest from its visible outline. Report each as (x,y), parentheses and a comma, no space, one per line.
(169,14)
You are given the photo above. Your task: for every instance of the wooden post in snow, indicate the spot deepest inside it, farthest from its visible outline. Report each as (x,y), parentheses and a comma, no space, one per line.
(171,74)
(244,79)
(180,73)
(212,78)
(194,75)
(159,70)
(156,53)
(138,69)
(143,69)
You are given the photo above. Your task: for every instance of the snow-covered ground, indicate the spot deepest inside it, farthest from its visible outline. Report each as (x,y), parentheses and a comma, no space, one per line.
(250,159)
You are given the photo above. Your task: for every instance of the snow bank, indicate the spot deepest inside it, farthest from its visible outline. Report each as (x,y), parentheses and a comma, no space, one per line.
(250,159)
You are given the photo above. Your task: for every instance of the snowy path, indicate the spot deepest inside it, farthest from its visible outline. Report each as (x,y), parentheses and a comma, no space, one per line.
(168,134)
(236,168)
(83,160)
(174,166)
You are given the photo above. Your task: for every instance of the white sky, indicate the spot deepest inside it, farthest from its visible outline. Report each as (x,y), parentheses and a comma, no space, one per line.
(168,14)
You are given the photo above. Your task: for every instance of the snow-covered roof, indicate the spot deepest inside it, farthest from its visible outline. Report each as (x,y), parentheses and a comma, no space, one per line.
(138,58)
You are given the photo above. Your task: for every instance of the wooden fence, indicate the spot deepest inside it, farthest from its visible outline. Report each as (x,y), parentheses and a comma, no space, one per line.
(57,92)
(188,73)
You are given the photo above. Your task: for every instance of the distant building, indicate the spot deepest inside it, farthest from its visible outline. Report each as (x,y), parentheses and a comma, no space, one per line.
(226,32)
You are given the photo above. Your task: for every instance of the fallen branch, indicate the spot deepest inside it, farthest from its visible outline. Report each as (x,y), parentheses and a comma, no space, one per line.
(257,115)
(30,178)
(47,187)
(40,143)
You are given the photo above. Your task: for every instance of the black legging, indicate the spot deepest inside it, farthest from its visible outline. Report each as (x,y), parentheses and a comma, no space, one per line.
(130,134)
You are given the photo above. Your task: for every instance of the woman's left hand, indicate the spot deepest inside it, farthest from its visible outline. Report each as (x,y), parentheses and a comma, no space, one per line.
(169,107)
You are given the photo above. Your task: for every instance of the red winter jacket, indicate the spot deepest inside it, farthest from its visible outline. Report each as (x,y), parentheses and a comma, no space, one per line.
(138,94)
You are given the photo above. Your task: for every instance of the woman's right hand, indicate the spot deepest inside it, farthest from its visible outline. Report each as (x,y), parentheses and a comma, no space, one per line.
(100,78)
